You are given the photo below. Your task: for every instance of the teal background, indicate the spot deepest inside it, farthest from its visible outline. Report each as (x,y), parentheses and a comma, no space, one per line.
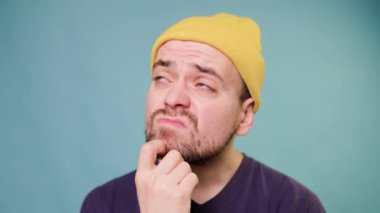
(73,78)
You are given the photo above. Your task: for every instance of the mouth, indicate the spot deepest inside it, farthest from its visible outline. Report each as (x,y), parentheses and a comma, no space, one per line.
(172,122)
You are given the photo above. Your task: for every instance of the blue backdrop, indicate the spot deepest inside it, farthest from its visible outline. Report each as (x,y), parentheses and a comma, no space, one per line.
(73,78)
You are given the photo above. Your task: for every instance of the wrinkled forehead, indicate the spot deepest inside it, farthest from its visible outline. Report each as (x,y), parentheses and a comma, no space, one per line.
(204,55)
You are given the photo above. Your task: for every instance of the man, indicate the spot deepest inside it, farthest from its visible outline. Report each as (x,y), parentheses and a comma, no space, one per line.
(207,74)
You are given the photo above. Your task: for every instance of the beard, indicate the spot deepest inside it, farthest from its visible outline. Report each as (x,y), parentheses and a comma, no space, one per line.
(195,148)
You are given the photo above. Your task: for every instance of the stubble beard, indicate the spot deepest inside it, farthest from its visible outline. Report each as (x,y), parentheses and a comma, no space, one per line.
(196,149)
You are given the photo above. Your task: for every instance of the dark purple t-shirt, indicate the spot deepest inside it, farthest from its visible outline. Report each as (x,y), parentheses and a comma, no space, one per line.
(254,188)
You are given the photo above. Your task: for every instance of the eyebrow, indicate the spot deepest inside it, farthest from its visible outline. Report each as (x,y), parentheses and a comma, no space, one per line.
(206,70)
(161,63)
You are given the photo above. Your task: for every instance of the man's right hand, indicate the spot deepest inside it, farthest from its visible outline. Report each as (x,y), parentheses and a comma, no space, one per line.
(166,187)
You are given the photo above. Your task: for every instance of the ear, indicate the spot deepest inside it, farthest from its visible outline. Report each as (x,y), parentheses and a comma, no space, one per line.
(246,117)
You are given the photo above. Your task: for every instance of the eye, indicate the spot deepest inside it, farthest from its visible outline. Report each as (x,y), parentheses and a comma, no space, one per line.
(160,79)
(204,86)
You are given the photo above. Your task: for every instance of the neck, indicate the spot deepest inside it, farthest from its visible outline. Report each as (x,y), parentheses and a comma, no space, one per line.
(214,175)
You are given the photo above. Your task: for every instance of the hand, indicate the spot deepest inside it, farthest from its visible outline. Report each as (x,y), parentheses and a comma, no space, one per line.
(166,187)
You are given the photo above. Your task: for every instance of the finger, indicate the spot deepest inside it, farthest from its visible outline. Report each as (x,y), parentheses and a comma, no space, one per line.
(169,162)
(148,154)
(179,172)
(189,182)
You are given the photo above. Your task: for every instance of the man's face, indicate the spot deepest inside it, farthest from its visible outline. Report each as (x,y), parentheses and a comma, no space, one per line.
(193,101)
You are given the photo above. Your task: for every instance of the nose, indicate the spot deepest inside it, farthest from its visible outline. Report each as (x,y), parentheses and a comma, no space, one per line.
(177,96)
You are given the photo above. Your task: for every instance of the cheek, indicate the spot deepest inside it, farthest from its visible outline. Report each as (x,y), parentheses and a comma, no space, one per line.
(216,119)
(152,103)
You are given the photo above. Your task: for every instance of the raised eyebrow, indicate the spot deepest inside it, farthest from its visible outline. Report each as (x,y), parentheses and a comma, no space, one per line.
(209,71)
(161,63)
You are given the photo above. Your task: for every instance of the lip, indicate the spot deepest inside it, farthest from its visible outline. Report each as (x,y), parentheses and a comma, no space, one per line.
(173,122)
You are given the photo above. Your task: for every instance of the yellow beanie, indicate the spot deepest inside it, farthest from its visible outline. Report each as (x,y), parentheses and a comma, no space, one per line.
(237,37)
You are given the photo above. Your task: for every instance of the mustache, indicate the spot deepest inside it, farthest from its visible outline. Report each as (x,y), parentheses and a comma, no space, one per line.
(180,112)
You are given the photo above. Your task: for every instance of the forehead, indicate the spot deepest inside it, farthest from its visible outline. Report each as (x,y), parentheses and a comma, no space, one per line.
(189,53)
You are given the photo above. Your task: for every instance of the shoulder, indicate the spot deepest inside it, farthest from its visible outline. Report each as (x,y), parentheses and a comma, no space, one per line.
(282,192)
(120,192)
